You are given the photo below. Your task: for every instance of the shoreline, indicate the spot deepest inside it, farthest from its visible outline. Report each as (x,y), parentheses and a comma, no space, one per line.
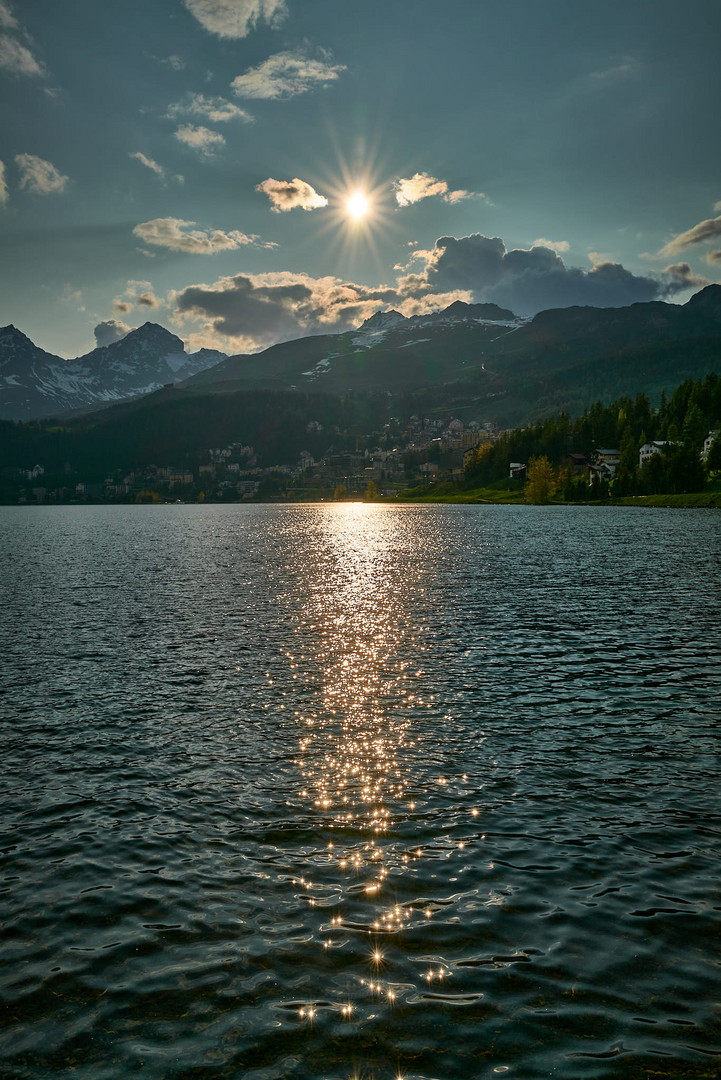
(701,500)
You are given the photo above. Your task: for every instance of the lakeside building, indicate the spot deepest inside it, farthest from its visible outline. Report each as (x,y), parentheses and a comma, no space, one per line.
(603,465)
(649,449)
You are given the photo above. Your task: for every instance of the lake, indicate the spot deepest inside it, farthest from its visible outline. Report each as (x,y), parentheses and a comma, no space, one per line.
(360,791)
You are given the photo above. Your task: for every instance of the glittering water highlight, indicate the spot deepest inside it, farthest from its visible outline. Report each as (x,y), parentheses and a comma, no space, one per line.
(360,791)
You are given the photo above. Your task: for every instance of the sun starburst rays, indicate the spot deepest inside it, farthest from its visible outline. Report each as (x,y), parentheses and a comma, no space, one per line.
(358,217)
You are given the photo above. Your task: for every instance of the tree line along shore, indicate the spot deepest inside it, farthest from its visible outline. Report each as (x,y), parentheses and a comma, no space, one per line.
(275,447)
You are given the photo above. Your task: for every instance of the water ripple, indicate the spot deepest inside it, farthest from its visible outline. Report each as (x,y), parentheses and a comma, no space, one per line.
(341,791)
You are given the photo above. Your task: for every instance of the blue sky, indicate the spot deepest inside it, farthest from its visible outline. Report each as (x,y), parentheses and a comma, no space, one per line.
(191,161)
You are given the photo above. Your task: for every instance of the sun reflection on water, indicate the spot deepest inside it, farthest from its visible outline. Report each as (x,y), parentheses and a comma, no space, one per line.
(353,747)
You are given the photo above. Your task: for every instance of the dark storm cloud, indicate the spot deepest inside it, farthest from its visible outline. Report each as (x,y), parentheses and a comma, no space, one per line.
(472,262)
(531,279)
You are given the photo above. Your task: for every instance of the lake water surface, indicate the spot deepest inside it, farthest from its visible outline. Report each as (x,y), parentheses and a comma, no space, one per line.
(356,791)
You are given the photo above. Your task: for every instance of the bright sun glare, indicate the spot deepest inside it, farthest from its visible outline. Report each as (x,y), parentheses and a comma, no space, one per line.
(357,205)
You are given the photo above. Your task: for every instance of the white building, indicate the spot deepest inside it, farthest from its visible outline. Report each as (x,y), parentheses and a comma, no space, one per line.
(648,450)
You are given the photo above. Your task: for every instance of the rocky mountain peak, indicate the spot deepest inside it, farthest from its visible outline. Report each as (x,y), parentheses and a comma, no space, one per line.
(383,320)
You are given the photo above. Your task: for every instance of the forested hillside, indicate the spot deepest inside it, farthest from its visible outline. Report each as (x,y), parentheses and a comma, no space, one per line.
(682,420)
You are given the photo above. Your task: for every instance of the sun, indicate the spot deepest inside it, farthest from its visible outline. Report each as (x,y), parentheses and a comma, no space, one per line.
(357,205)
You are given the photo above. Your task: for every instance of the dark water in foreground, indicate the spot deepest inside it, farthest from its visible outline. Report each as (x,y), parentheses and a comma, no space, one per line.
(355,791)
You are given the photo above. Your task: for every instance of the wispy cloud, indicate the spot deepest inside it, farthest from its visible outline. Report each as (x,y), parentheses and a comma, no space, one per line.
(619,69)
(137,293)
(713,258)
(175,63)
(291,194)
(148,163)
(39,176)
(710,229)
(236,18)
(4,194)
(423,186)
(7,19)
(216,109)
(286,75)
(202,139)
(174,234)
(17,59)
(15,56)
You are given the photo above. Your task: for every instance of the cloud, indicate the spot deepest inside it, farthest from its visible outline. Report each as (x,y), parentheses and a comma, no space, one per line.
(7,19)
(286,75)
(201,139)
(620,69)
(255,310)
(460,194)
(176,63)
(422,186)
(710,229)
(109,331)
(713,258)
(597,257)
(138,293)
(3,184)
(251,311)
(70,295)
(555,245)
(148,163)
(682,274)
(289,194)
(236,18)
(532,279)
(216,109)
(39,176)
(417,187)
(178,235)
(17,59)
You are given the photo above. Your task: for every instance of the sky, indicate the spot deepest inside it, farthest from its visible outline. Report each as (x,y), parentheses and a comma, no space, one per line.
(249,171)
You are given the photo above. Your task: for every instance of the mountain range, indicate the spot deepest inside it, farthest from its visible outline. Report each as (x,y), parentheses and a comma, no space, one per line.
(477,360)
(494,365)
(35,383)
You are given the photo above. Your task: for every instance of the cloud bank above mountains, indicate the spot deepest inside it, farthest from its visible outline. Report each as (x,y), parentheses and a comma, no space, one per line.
(251,311)
(531,279)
